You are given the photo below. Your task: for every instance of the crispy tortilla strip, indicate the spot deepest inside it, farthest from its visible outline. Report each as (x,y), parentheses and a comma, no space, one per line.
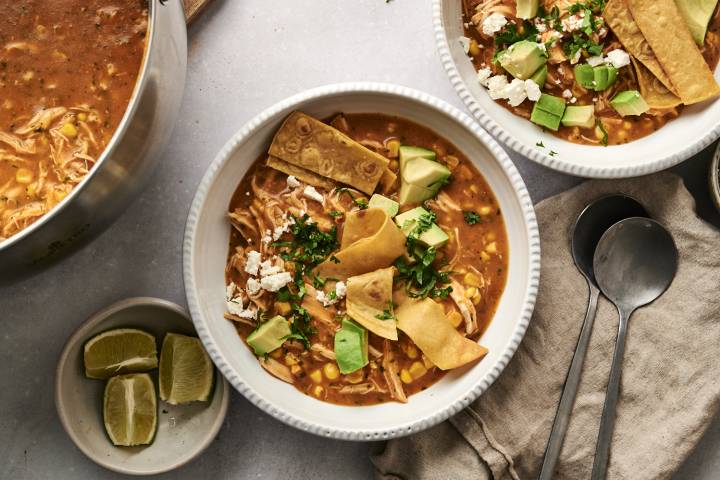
(300,173)
(368,295)
(425,323)
(653,90)
(370,241)
(308,143)
(617,15)
(667,33)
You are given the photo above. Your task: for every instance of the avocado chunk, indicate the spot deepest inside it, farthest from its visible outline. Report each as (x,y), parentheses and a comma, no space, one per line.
(410,194)
(351,347)
(585,76)
(629,102)
(526,9)
(425,173)
(269,335)
(605,76)
(523,59)
(391,207)
(540,77)
(548,112)
(433,237)
(408,152)
(580,116)
(697,14)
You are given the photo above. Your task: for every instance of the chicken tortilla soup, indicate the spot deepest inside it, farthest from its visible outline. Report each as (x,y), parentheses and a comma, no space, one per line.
(67,72)
(367,256)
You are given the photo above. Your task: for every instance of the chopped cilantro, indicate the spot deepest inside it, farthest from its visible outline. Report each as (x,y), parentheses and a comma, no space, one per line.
(540,144)
(472,218)
(513,34)
(387,314)
(421,278)
(604,139)
(552,153)
(335,213)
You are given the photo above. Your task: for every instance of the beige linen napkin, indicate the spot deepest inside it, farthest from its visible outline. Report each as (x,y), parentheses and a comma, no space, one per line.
(669,390)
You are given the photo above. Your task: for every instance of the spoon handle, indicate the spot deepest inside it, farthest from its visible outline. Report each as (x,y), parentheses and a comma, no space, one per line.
(607,421)
(562,416)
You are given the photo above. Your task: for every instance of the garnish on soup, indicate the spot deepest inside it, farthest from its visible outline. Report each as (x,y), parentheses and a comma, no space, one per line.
(596,72)
(354,273)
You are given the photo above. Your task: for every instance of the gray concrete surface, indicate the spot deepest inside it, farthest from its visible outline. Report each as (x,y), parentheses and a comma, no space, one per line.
(244,56)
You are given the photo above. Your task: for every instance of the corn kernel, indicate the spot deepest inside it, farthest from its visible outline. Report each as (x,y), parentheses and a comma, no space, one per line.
(291,359)
(69,130)
(471,292)
(277,353)
(393,147)
(23,175)
(417,370)
(283,308)
(316,376)
(295,369)
(627,125)
(331,371)
(355,377)
(412,351)
(474,188)
(405,376)
(476,299)
(82,116)
(472,280)
(318,391)
(484,256)
(490,236)
(394,165)
(474,49)
(455,318)
(491,247)
(428,364)
(485,210)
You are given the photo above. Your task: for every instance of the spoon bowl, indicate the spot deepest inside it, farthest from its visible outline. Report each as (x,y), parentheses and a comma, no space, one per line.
(635,262)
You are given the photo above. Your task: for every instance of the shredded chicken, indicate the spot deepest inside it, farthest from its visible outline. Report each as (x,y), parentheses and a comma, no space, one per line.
(467,309)
(277,369)
(247,321)
(392,377)
(317,310)
(359,389)
(323,351)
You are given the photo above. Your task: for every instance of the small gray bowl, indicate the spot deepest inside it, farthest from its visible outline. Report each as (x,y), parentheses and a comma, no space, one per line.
(714,178)
(184,431)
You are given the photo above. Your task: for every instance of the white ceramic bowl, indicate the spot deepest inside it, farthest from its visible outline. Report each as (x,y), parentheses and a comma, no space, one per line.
(206,248)
(696,128)
(184,431)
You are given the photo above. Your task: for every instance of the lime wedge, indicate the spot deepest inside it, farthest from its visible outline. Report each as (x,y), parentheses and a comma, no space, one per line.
(124,350)
(186,372)
(130,409)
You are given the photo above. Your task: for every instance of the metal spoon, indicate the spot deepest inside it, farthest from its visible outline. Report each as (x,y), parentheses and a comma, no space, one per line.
(593,221)
(635,262)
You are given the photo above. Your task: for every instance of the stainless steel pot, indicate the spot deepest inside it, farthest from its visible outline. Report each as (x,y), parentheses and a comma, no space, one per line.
(126,163)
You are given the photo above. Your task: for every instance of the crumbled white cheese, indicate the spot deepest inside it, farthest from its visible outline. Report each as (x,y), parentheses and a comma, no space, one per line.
(540,25)
(493,24)
(543,47)
(325,299)
(496,86)
(253,286)
(267,268)
(312,194)
(533,90)
(515,92)
(340,289)
(235,307)
(267,238)
(273,283)
(465,44)
(567,93)
(576,58)
(573,100)
(293,182)
(253,262)
(285,227)
(602,32)
(230,291)
(483,75)
(572,23)
(618,58)
(596,60)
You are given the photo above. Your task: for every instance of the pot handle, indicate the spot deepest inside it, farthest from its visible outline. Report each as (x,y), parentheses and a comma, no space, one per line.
(193,8)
